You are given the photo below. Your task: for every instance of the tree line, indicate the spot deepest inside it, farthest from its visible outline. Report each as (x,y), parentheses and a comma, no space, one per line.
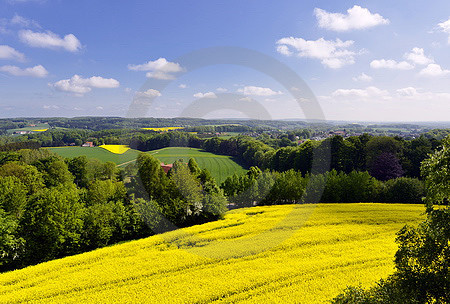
(52,207)
(258,187)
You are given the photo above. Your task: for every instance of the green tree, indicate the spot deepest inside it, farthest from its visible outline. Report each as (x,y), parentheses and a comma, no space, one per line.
(11,246)
(52,224)
(422,260)
(436,172)
(13,196)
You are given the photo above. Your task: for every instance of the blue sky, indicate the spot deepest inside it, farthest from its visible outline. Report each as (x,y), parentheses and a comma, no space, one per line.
(364,61)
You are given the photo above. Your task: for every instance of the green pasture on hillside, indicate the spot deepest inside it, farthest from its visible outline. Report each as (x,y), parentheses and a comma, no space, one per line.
(96,152)
(220,166)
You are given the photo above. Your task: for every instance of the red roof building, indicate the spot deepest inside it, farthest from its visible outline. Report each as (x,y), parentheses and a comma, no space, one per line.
(166,168)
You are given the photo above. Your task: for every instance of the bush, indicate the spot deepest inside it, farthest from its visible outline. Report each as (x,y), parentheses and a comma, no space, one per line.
(404,190)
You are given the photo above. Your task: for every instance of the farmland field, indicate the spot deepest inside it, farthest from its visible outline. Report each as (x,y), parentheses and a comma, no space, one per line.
(220,166)
(275,254)
(37,128)
(96,152)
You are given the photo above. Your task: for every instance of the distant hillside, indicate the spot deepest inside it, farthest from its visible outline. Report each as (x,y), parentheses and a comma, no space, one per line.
(285,254)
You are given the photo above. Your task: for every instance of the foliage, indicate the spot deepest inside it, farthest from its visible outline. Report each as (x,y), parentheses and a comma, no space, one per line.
(422,260)
(436,171)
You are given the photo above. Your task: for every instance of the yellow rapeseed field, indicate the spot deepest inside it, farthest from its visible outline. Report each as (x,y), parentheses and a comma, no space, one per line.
(163,129)
(117,149)
(40,130)
(275,254)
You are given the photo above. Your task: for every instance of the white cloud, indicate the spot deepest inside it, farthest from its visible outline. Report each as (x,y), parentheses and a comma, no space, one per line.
(150,93)
(80,86)
(284,50)
(247,99)
(434,70)
(182,86)
(24,22)
(368,92)
(363,77)
(417,56)
(205,95)
(37,71)
(7,52)
(99,108)
(333,54)
(158,69)
(412,93)
(445,27)
(356,18)
(407,92)
(258,91)
(221,90)
(54,107)
(391,64)
(50,40)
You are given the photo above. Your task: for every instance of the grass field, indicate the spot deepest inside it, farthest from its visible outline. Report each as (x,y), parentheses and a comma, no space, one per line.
(96,152)
(275,254)
(220,166)
(38,128)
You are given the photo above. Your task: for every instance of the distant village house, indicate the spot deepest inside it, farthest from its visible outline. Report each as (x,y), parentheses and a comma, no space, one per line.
(88,144)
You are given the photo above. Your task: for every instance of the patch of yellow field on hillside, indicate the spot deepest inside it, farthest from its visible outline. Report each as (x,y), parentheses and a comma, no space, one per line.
(116,149)
(163,129)
(40,130)
(269,254)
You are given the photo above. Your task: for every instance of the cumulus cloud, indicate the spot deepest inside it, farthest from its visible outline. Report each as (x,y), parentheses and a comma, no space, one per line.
(368,92)
(150,93)
(333,54)
(221,90)
(391,64)
(363,77)
(50,40)
(80,86)
(417,56)
(445,27)
(284,50)
(258,91)
(205,95)
(434,70)
(158,69)
(37,71)
(7,52)
(356,18)
(417,94)
(182,86)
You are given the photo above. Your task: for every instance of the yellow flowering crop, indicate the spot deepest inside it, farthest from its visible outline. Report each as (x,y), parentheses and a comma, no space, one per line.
(117,149)
(40,130)
(271,254)
(163,129)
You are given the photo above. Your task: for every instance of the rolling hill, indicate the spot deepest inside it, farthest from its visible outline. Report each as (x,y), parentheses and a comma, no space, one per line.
(275,254)
(96,152)
(220,166)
